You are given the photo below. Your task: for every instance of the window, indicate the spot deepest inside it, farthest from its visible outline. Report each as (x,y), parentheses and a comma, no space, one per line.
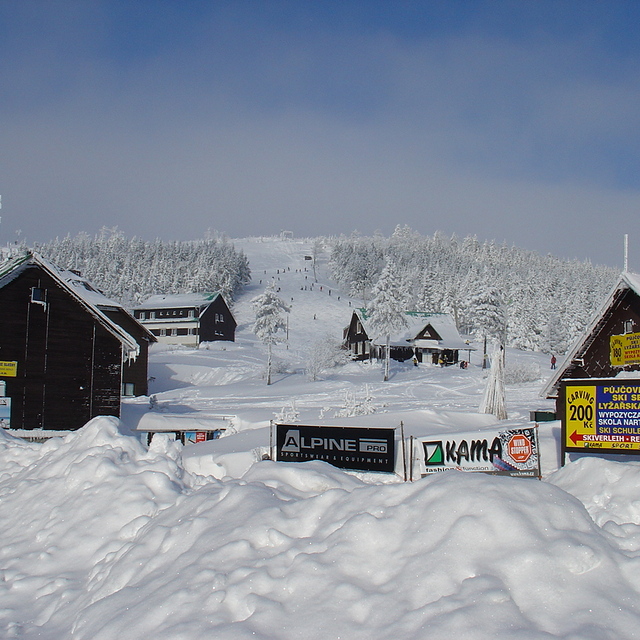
(39,295)
(183,332)
(163,332)
(128,389)
(191,313)
(152,315)
(143,315)
(628,326)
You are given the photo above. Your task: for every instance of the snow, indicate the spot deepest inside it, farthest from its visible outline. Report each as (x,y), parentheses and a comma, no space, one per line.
(178,300)
(104,538)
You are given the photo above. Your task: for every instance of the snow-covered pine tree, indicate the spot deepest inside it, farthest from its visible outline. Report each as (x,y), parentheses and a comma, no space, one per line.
(269,310)
(129,270)
(488,313)
(386,312)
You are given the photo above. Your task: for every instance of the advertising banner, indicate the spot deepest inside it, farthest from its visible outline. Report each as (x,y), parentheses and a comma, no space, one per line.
(512,452)
(601,415)
(5,413)
(624,349)
(8,369)
(358,448)
(194,437)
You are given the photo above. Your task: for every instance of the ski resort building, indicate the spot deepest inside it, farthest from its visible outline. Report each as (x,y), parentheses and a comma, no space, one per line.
(187,319)
(429,337)
(67,352)
(610,343)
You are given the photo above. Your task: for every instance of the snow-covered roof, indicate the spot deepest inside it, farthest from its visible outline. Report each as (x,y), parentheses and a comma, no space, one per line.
(442,323)
(178,301)
(87,291)
(627,280)
(88,296)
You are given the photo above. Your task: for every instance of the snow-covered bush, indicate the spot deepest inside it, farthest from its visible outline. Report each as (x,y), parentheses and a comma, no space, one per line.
(288,414)
(355,405)
(521,372)
(324,354)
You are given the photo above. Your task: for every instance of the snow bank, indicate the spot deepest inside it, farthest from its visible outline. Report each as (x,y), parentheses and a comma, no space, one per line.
(104,540)
(610,491)
(66,506)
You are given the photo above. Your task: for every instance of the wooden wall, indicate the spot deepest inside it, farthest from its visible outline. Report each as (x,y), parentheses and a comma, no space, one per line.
(69,365)
(210,329)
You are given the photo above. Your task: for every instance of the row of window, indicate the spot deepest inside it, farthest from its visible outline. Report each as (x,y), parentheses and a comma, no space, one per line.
(173,313)
(166,313)
(180,331)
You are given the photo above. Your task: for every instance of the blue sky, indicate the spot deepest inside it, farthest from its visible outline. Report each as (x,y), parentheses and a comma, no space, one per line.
(513,121)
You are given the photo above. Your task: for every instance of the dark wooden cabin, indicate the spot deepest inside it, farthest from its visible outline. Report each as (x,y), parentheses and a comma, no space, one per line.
(429,337)
(67,353)
(187,319)
(592,354)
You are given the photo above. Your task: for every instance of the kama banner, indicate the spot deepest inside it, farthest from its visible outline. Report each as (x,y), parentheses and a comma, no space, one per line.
(601,415)
(512,452)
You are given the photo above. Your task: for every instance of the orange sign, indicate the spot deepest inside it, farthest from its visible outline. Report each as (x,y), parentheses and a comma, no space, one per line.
(519,448)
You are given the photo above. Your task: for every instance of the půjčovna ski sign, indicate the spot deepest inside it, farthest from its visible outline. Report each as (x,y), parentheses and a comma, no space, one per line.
(510,452)
(358,448)
(600,416)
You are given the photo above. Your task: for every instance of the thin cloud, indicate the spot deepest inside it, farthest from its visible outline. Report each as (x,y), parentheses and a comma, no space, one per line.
(252,127)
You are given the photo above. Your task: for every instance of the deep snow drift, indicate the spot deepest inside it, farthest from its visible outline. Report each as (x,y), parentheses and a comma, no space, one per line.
(102,538)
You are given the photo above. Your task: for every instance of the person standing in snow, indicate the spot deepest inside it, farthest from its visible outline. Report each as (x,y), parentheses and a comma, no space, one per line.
(553,361)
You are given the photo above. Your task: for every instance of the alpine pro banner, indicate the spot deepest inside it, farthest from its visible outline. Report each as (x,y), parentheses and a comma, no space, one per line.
(358,448)
(510,452)
(600,415)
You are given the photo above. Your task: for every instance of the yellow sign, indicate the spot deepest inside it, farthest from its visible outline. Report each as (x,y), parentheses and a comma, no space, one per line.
(624,349)
(580,405)
(603,416)
(8,369)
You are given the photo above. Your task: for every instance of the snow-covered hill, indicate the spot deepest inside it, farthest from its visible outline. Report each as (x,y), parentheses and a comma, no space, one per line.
(102,538)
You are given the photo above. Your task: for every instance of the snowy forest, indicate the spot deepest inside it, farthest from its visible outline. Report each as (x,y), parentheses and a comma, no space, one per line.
(130,270)
(517,297)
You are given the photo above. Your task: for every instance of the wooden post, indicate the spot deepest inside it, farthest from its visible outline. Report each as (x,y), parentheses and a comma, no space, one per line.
(404,450)
(271,453)
(411,458)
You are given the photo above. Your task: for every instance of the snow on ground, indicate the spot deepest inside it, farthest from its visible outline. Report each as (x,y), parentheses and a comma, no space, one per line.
(103,538)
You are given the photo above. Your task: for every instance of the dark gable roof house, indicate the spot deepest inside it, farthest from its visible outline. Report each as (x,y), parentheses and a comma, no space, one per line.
(67,352)
(187,319)
(428,336)
(591,355)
